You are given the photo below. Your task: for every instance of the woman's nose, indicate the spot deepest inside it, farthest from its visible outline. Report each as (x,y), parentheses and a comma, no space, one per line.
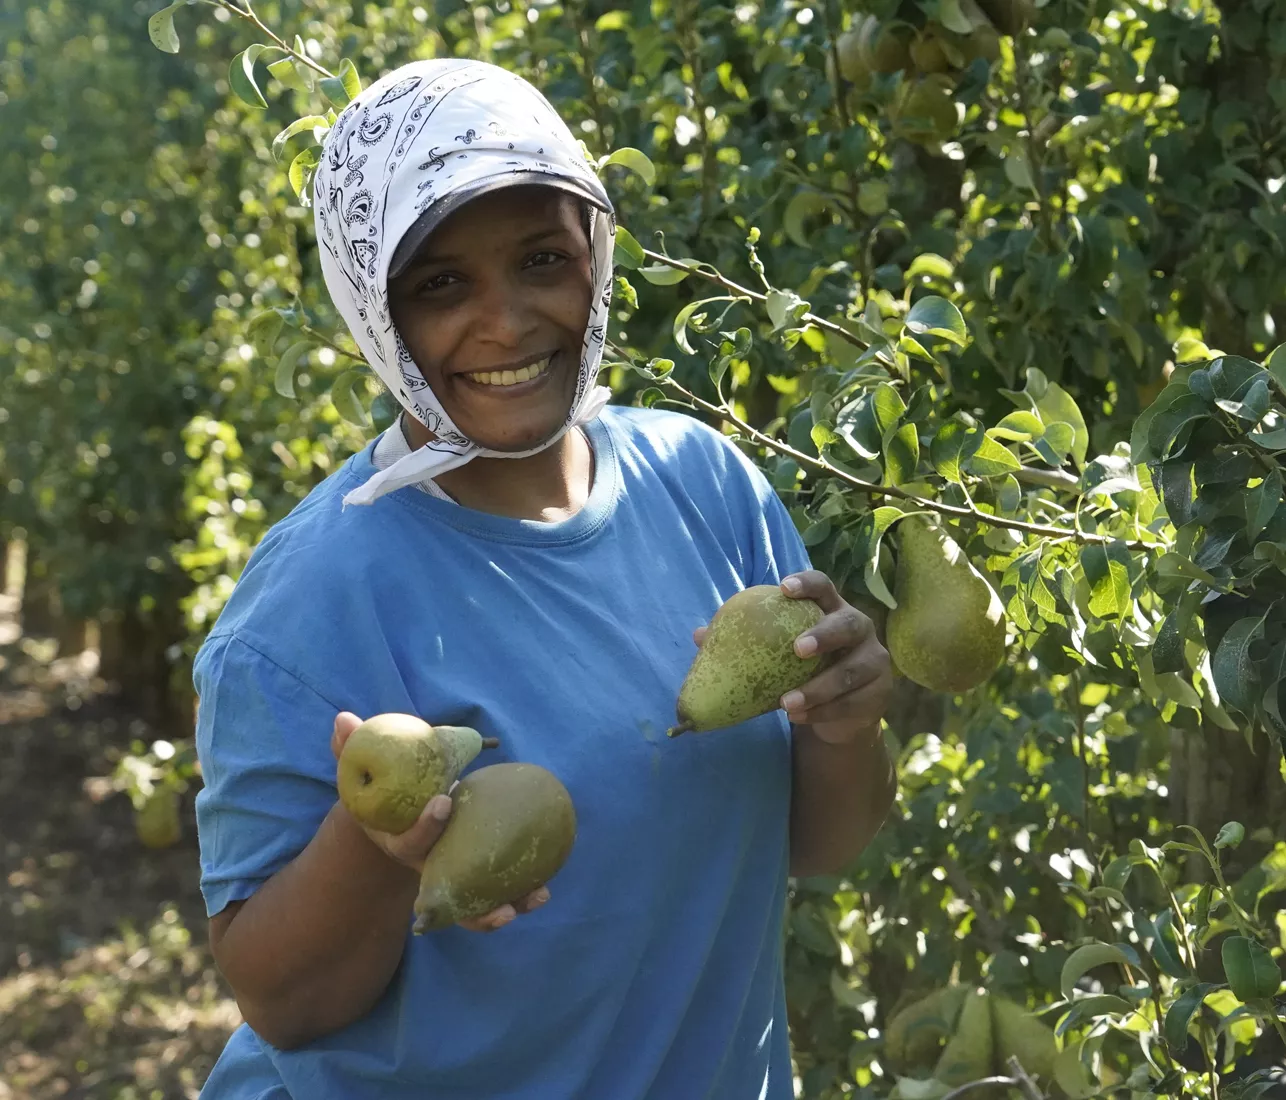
(504,316)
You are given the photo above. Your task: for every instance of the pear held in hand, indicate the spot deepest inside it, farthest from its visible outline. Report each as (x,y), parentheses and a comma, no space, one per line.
(511,829)
(747,661)
(392,764)
(948,630)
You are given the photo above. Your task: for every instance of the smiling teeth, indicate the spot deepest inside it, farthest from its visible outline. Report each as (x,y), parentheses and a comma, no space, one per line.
(510,377)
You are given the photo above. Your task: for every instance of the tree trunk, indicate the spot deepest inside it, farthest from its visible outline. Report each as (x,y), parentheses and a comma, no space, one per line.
(1217,777)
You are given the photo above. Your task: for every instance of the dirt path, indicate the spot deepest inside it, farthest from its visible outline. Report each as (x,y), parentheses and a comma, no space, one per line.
(107,988)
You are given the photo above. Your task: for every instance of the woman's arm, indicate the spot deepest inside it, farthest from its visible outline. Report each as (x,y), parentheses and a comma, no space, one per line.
(316,945)
(314,948)
(841,792)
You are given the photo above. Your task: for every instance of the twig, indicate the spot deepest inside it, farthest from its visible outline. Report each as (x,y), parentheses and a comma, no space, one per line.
(822,466)
(1029,1088)
(321,339)
(737,288)
(247,13)
(964,1090)
(1049,479)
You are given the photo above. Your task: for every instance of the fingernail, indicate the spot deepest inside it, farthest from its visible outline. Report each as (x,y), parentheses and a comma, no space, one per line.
(792,584)
(440,807)
(806,646)
(539,898)
(504,915)
(792,700)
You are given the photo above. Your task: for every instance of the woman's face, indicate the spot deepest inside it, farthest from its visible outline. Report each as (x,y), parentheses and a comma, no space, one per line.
(493,310)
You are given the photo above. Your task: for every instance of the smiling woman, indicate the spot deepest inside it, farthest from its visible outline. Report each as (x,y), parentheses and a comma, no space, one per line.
(537,565)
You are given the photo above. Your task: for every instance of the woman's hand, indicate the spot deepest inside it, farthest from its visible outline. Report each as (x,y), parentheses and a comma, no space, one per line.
(411,847)
(847,699)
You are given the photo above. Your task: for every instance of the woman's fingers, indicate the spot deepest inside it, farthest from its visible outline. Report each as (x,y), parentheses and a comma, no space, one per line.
(345,722)
(503,914)
(412,846)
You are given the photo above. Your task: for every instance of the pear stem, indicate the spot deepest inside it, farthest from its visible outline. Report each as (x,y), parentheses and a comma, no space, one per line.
(682,727)
(491,742)
(821,465)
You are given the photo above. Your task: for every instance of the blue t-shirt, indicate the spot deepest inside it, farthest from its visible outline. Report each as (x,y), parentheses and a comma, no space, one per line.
(655,970)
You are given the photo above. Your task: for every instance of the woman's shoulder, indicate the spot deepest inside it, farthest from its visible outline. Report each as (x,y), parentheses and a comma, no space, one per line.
(666,440)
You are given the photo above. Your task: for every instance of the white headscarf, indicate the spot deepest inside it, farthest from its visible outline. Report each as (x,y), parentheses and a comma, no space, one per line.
(414,146)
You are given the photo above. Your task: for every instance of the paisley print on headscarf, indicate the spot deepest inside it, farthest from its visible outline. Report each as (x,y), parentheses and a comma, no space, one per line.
(430,133)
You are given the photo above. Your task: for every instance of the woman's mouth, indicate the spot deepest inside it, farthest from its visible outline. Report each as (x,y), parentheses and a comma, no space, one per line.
(505,380)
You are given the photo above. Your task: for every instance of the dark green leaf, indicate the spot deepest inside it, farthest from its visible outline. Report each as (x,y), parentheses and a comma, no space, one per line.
(1180,1015)
(867,548)
(650,397)
(1231,835)
(342,88)
(952,444)
(1056,406)
(1084,959)
(1162,952)
(991,459)
(1117,873)
(901,456)
(241,77)
(1234,672)
(938,317)
(1141,451)
(1276,366)
(1167,650)
(1262,502)
(888,407)
(1167,426)
(1251,970)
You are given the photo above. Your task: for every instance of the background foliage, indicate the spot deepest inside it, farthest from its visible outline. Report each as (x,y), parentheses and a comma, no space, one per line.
(1020,266)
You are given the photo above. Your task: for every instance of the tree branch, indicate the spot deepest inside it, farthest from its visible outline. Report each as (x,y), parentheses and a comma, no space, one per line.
(247,13)
(820,465)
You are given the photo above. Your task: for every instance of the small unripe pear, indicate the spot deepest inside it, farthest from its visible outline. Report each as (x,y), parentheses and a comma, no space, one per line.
(392,764)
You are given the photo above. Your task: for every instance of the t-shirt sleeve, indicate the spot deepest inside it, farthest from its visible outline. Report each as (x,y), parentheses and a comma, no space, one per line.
(263,740)
(776,549)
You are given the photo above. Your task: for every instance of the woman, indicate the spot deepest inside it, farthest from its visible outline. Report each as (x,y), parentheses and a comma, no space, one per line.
(515,556)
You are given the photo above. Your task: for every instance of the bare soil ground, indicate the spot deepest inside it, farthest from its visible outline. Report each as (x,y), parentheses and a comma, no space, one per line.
(107,987)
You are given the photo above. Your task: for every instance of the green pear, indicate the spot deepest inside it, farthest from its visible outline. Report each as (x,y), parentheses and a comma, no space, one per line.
(948,630)
(968,1053)
(747,661)
(915,1035)
(392,764)
(1020,1034)
(512,827)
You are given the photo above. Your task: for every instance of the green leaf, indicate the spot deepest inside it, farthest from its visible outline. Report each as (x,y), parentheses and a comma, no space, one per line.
(284,378)
(160,28)
(343,396)
(286,73)
(636,161)
(685,318)
(1018,171)
(1018,427)
(1110,596)
(306,73)
(930,263)
(350,78)
(1117,873)
(1055,406)
(1141,451)
(342,88)
(901,456)
(1058,442)
(1084,959)
(663,274)
(628,252)
(308,122)
(1251,970)
(952,444)
(888,407)
(301,172)
(1262,502)
(1167,425)
(803,205)
(241,77)
(951,16)
(1174,564)
(650,397)
(867,547)
(1180,1014)
(1231,835)
(991,459)
(938,317)
(1275,364)
(1234,672)
(1167,650)
(782,306)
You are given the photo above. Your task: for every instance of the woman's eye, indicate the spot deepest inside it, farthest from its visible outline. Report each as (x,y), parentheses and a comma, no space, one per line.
(544,259)
(436,282)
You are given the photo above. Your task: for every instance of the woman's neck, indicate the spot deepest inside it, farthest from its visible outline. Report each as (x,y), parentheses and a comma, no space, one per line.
(549,486)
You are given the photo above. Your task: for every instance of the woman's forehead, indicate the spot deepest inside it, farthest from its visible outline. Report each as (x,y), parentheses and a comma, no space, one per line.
(515,212)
